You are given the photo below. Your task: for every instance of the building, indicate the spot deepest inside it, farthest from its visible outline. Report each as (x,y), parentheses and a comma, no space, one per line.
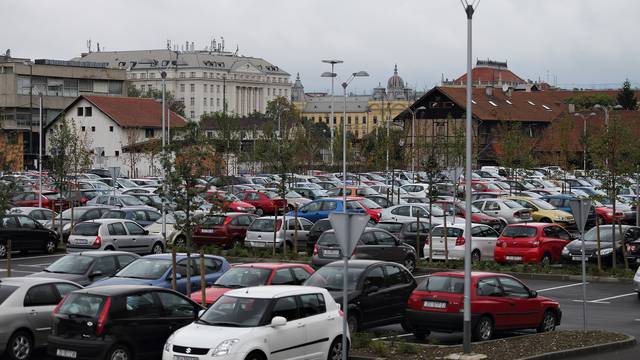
(109,125)
(22,81)
(494,73)
(365,113)
(204,80)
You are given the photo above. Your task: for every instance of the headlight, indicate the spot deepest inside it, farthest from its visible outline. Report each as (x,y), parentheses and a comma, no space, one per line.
(559,218)
(565,251)
(242,208)
(609,213)
(606,251)
(224,347)
(167,345)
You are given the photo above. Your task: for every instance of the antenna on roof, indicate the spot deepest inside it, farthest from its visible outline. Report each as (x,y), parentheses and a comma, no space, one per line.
(89,45)
(168,44)
(98,44)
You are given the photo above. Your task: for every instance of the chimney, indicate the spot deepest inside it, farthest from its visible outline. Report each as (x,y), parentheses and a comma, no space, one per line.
(489,90)
(572,108)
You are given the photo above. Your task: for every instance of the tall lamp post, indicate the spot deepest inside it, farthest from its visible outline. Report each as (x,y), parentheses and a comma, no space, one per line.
(40,154)
(332,75)
(413,138)
(584,137)
(469,8)
(163,74)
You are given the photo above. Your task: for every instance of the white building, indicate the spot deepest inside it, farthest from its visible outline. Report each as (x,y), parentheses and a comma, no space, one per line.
(107,124)
(202,79)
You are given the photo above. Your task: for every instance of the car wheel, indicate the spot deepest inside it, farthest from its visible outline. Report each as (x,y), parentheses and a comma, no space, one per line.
(254,356)
(335,351)
(548,322)
(421,335)
(20,346)
(50,246)
(546,259)
(180,241)
(476,256)
(119,352)
(484,329)
(410,263)
(3,250)
(157,248)
(259,212)
(109,248)
(352,322)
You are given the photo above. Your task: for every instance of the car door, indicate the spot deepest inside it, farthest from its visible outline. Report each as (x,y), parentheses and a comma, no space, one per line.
(140,216)
(212,271)
(119,237)
(400,284)
(491,207)
(390,249)
(312,211)
(32,234)
(141,242)
(487,240)
(39,302)
(490,298)
(401,213)
(177,311)
(316,320)
(143,323)
(562,238)
(103,267)
(524,309)
(374,302)
(286,342)
(367,247)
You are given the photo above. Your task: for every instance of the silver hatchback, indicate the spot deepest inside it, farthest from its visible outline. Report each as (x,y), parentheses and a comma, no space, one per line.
(114,234)
(26,304)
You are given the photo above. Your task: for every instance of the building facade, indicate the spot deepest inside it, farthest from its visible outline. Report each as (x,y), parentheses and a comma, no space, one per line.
(205,81)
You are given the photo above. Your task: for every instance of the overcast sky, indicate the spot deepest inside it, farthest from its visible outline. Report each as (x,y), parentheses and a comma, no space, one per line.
(581,43)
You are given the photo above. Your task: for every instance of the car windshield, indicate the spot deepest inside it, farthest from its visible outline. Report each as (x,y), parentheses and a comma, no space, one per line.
(436,210)
(389,226)
(82,305)
(605,234)
(243,277)
(150,269)
(542,204)
(71,264)
(127,183)
(369,204)
(264,225)
(330,278)
(77,213)
(232,311)
(519,232)
(445,284)
(214,220)
(86,229)
(475,210)
(131,201)
(328,239)
(5,292)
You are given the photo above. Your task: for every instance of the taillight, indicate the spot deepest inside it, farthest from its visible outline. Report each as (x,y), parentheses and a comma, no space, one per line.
(227,220)
(426,241)
(460,241)
(414,302)
(341,313)
(315,249)
(55,311)
(98,242)
(102,319)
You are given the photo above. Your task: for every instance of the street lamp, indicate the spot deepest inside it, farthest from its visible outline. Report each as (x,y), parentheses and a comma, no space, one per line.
(163,74)
(332,75)
(584,136)
(413,138)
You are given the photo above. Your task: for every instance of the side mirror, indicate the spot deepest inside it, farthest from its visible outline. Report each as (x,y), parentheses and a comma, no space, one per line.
(278,321)
(200,313)
(178,277)
(533,294)
(371,290)
(146,232)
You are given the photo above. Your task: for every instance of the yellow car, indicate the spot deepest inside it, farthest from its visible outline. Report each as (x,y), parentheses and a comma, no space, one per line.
(542,211)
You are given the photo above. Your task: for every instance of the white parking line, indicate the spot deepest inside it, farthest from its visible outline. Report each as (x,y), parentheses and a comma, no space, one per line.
(560,287)
(604,300)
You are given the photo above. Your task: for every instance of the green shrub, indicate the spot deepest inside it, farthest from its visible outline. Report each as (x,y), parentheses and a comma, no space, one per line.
(380,348)
(404,347)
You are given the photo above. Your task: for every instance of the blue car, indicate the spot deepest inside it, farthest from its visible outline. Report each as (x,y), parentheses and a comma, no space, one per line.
(561,202)
(155,270)
(320,209)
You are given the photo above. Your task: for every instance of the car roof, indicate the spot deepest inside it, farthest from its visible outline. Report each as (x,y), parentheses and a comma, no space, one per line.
(267,265)
(100,253)
(105,221)
(180,256)
(27,281)
(116,290)
(359,264)
(532,224)
(473,274)
(274,291)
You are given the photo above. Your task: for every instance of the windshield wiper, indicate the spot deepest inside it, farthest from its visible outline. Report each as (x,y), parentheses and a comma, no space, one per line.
(204,322)
(134,277)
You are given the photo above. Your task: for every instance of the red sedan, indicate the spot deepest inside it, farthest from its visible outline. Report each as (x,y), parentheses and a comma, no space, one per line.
(257,274)
(50,200)
(371,207)
(224,230)
(531,243)
(498,302)
(229,202)
(266,202)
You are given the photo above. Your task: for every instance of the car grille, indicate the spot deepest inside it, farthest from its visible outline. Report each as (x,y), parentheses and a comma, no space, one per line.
(189,350)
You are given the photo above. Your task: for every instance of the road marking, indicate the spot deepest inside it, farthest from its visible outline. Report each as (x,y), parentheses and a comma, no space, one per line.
(613,297)
(33,257)
(560,287)
(593,302)
(391,337)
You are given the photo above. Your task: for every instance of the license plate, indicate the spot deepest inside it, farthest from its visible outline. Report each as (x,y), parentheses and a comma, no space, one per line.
(435,304)
(81,241)
(331,253)
(208,231)
(258,244)
(66,353)
(182,357)
(514,258)
(578,258)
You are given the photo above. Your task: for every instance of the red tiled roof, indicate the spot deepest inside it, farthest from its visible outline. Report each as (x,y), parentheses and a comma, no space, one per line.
(134,112)
(488,74)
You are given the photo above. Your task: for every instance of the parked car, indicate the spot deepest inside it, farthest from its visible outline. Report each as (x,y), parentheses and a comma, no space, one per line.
(631,234)
(311,194)
(25,313)
(407,232)
(255,274)
(114,234)
(633,250)
(542,211)
(41,215)
(378,291)
(477,216)
(26,235)
(374,244)
(224,230)
(531,243)
(483,242)
(417,190)
(253,322)
(410,212)
(498,302)
(507,211)
(155,270)
(87,267)
(352,191)
(143,216)
(562,202)
(152,200)
(174,236)
(636,282)
(293,199)
(118,322)
(265,202)
(50,200)
(78,215)
(118,200)
(320,209)
(229,202)
(260,233)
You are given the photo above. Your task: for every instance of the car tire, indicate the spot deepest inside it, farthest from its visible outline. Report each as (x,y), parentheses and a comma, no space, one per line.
(546,259)
(119,352)
(180,241)
(3,251)
(484,329)
(254,356)
(20,346)
(259,211)
(157,248)
(353,323)
(476,256)
(335,350)
(50,246)
(410,263)
(548,322)
(109,248)
(421,335)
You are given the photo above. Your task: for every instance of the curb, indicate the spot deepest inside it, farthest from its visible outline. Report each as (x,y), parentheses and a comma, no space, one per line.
(534,276)
(630,341)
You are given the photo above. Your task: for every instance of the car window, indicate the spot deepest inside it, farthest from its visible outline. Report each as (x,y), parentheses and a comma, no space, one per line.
(27,222)
(125,260)
(300,274)
(211,266)
(368,238)
(353,205)
(37,214)
(413,227)
(116,229)
(489,232)
(142,305)
(153,216)
(291,224)
(47,214)
(312,304)
(562,233)
(417,210)
(41,295)
(140,215)
(446,284)
(106,265)
(64,288)
(489,287)
(513,288)
(491,205)
(384,238)
(375,277)
(134,229)
(90,215)
(312,207)
(394,275)
(287,308)
(306,224)
(283,277)
(174,305)
(329,205)
(550,231)
(244,220)
(402,211)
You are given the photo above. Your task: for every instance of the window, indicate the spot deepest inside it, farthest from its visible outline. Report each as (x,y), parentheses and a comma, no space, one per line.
(513,288)
(218,102)
(328,205)
(491,205)
(116,229)
(80,111)
(27,222)
(385,239)
(287,308)
(149,133)
(64,289)
(217,88)
(489,287)
(300,274)
(204,101)
(181,87)
(41,295)
(192,74)
(83,128)
(364,119)
(134,229)
(9,222)
(192,114)
(394,275)
(375,277)
(110,128)
(283,277)
(312,304)
(117,153)
(125,260)
(143,76)
(174,305)
(192,87)
(142,88)
(192,101)
(142,305)
(349,120)
(87,111)
(402,211)
(182,75)
(106,265)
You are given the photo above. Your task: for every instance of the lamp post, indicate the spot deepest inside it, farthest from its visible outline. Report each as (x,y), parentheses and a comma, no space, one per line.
(332,75)
(163,74)
(413,138)
(40,155)
(584,137)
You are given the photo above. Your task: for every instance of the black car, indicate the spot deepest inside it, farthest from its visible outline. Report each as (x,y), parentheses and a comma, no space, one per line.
(374,244)
(118,322)
(407,232)
(318,228)
(573,250)
(26,234)
(633,253)
(87,267)
(378,291)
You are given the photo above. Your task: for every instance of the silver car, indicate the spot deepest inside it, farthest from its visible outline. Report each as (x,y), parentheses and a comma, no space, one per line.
(114,234)
(260,233)
(26,304)
(507,211)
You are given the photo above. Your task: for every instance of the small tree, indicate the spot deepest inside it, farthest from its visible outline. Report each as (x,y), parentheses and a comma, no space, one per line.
(586,102)
(131,139)
(627,97)
(516,147)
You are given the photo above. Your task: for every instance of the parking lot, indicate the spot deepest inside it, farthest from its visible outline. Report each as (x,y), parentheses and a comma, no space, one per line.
(610,306)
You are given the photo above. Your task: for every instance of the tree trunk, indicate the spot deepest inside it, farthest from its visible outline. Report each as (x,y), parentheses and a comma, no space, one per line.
(598,257)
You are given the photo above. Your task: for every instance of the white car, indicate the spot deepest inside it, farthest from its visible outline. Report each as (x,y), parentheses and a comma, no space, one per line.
(409,212)
(42,215)
(417,190)
(636,282)
(263,322)
(483,242)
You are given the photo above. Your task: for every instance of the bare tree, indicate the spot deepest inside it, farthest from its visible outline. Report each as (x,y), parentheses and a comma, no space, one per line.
(130,140)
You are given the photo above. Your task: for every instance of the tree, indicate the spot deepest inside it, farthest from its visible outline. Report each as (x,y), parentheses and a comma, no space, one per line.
(627,97)
(587,101)
(516,148)
(174,105)
(225,136)
(309,139)
(130,140)
(7,162)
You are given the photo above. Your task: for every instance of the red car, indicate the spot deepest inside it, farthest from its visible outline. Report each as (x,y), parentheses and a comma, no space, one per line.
(257,274)
(371,207)
(498,302)
(477,216)
(50,200)
(266,202)
(484,186)
(224,230)
(531,243)
(229,202)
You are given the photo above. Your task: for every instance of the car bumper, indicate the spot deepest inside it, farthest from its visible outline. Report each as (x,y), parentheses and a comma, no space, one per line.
(85,349)
(636,283)
(170,355)
(77,248)
(517,255)
(437,321)
(439,254)
(318,262)
(262,244)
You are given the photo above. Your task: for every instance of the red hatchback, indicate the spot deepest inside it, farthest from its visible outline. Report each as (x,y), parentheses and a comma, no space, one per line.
(229,202)
(531,243)
(224,230)
(50,200)
(257,274)
(266,202)
(498,302)
(371,207)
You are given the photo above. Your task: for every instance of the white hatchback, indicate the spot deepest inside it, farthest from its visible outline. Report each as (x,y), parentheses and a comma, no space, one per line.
(483,242)
(263,323)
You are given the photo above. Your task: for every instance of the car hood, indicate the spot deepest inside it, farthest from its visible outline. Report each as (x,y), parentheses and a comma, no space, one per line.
(79,279)
(590,246)
(212,294)
(126,281)
(208,337)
